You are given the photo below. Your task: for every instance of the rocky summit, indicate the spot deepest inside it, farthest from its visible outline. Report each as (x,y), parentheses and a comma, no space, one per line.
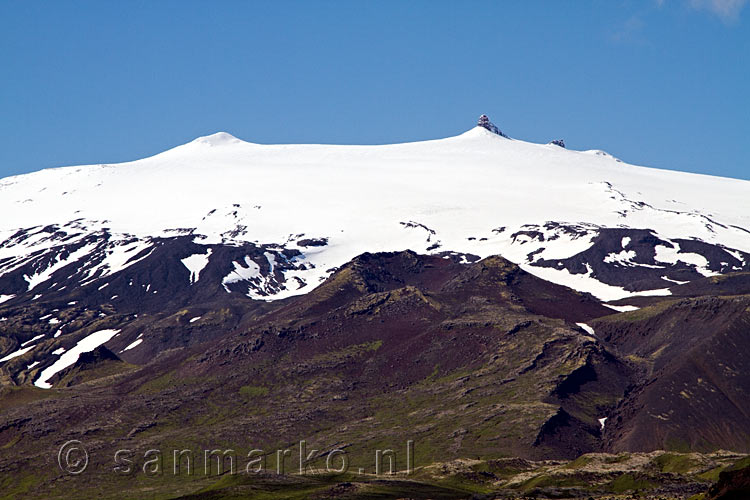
(485,123)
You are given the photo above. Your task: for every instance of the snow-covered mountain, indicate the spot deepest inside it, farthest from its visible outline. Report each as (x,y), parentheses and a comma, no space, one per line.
(580,218)
(131,291)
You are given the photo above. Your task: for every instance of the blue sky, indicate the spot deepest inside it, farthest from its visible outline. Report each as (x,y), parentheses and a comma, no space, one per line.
(655,82)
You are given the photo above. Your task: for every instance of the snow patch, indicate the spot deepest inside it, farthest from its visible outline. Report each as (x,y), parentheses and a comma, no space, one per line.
(673,256)
(271,258)
(587,329)
(32,340)
(87,344)
(241,273)
(5,298)
(624,308)
(734,253)
(666,278)
(583,282)
(133,345)
(624,257)
(195,264)
(17,353)
(652,293)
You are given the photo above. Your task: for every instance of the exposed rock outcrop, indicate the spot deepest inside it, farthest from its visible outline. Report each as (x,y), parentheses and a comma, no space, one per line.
(484,122)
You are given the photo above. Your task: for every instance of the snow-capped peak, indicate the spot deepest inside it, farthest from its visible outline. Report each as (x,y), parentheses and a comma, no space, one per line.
(217,139)
(477,193)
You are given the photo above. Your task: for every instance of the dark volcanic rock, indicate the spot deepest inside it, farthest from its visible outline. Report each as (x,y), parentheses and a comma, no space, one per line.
(98,355)
(312,242)
(732,485)
(468,359)
(691,354)
(484,122)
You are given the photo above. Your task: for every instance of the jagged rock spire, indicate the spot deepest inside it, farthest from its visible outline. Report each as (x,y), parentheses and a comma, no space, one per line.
(484,122)
(558,142)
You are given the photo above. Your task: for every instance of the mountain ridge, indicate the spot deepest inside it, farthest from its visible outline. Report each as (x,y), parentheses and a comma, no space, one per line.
(219,219)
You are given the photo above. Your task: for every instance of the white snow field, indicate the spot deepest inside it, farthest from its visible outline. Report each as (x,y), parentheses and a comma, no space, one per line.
(458,192)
